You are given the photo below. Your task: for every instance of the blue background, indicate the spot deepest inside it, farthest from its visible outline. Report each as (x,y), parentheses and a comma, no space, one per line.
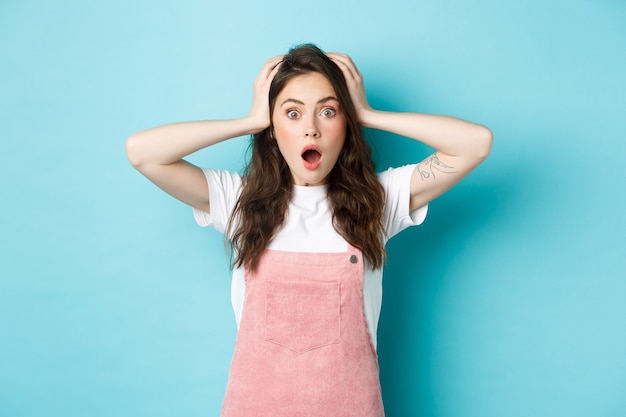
(508,301)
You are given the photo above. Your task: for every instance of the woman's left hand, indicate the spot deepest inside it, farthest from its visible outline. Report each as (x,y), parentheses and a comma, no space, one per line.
(354,80)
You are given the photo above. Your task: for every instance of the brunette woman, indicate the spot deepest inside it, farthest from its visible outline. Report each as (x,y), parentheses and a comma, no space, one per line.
(308,222)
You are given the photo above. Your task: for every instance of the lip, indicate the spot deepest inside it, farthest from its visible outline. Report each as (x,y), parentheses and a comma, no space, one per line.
(315,164)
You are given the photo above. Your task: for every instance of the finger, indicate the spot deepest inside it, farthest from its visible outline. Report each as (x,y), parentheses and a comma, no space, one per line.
(344,59)
(270,67)
(276,64)
(346,64)
(272,62)
(353,80)
(271,75)
(343,66)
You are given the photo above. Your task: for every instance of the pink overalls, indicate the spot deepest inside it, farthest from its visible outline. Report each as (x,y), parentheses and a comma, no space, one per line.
(303,348)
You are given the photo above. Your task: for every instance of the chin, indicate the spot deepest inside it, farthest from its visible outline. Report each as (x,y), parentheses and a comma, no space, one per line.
(312,181)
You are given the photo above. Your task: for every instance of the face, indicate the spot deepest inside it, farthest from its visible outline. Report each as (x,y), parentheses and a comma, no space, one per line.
(310,128)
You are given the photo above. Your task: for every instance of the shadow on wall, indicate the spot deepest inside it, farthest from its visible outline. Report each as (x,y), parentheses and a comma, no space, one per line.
(419,259)
(415,277)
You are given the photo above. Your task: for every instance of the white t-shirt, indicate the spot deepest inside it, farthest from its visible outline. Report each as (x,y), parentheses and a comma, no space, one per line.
(308,227)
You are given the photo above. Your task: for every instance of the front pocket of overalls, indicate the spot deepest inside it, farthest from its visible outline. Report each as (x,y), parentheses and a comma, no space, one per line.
(302,316)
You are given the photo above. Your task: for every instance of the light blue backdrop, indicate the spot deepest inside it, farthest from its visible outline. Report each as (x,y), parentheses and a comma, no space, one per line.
(509,301)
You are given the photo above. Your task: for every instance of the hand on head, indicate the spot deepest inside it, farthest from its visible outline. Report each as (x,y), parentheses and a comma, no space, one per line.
(260,104)
(354,80)
(260,110)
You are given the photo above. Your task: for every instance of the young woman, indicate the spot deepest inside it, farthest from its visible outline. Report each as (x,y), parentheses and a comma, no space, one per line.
(308,222)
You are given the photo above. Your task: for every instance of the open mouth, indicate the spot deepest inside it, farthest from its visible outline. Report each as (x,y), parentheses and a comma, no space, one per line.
(312,157)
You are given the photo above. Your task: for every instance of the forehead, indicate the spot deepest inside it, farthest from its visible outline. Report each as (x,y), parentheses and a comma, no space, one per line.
(307,87)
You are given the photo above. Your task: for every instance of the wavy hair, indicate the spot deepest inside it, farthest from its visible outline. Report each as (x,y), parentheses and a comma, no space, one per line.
(355,196)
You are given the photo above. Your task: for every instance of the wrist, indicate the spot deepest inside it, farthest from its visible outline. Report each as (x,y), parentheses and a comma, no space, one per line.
(254,124)
(369,118)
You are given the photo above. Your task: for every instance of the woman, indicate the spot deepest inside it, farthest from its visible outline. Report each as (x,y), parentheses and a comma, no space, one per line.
(308,222)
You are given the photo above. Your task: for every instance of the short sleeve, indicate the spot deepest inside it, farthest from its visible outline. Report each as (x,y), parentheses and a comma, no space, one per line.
(396,214)
(224,189)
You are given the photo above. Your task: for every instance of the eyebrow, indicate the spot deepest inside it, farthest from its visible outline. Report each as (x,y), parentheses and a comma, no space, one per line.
(293,100)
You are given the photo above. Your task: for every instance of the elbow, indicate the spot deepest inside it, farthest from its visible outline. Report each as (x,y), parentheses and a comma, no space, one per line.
(132,151)
(484,142)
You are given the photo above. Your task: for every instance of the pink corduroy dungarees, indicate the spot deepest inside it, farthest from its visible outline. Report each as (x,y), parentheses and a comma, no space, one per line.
(303,348)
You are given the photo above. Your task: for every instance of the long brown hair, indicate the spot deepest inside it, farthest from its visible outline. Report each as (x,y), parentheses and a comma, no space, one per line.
(355,196)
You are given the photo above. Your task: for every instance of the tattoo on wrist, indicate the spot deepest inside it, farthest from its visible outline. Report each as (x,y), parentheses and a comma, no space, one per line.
(432,165)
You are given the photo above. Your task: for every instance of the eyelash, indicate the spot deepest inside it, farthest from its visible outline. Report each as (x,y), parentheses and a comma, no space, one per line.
(333,111)
(324,110)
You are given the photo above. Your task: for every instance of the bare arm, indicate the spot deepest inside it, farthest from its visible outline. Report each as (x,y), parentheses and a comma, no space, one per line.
(158,152)
(460,145)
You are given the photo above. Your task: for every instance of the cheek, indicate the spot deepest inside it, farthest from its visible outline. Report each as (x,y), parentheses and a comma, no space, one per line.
(283,130)
(336,131)
(279,131)
(284,139)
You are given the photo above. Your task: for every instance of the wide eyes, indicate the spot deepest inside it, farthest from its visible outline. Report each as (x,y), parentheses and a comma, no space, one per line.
(326,112)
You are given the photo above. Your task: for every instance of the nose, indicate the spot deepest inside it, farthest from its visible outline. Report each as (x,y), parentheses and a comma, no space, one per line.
(311,130)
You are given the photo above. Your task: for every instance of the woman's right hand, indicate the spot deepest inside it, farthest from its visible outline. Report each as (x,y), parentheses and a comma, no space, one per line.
(158,152)
(260,111)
